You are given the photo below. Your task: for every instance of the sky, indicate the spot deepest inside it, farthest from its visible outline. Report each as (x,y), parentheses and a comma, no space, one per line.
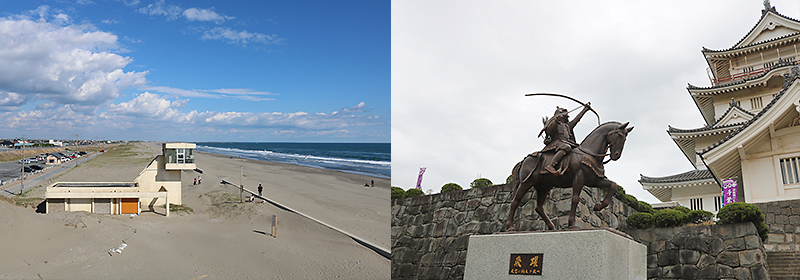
(167,70)
(460,70)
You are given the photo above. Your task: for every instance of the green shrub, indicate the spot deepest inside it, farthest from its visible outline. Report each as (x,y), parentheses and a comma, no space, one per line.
(450,187)
(398,192)
(699,216)
(631,201)
(480,183)
(640,220)
(739,212)
(508,180)
(620,193)
(414,192)
(669,218)
(645,207)
(685,210)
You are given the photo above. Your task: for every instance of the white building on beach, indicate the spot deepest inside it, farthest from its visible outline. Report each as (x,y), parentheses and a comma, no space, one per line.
(158,184)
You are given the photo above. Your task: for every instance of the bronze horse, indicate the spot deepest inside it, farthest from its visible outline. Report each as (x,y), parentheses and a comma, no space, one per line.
(583,166)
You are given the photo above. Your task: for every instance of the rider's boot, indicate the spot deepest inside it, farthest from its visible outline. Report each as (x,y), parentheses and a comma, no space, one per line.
(553,161)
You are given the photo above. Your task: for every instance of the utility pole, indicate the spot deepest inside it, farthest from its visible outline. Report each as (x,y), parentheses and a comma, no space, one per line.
(22,181)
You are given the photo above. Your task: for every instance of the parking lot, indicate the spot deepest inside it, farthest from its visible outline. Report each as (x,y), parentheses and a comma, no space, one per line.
(10,170)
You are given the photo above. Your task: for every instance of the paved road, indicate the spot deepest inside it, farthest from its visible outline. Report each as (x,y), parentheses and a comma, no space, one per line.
(14,168)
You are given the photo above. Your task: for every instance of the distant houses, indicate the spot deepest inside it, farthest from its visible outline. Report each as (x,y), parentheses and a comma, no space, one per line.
(33,143)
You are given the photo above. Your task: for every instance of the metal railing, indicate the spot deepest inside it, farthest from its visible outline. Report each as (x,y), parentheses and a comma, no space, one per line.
(755,72)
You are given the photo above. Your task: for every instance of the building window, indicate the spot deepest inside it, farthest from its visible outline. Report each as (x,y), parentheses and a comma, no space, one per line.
(179,156)
(717,202)
(696,203)
(755,103)
(790,171)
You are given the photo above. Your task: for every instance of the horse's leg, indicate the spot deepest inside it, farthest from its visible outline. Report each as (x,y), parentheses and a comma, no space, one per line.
(517,195)
(577,187)
(519,192)
(541,198)
(611,188)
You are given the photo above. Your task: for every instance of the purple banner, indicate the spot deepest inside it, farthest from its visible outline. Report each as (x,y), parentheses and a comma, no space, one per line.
(728,191)
(419,179)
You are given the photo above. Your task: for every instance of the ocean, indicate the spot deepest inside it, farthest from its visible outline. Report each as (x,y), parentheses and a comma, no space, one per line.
(372,159)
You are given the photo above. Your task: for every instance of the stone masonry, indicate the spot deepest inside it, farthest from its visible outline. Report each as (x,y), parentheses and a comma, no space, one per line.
(783,220)
(732,251)
(430,233)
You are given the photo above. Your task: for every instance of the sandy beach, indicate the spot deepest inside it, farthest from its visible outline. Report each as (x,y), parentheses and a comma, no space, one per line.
(219,239)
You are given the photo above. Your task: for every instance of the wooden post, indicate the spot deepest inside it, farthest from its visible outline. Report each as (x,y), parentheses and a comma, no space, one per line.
(167,193)
(274,229)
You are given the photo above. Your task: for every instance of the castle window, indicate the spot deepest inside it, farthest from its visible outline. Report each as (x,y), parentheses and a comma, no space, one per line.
(717,202)
(755,103)
(696,203)
(790,170)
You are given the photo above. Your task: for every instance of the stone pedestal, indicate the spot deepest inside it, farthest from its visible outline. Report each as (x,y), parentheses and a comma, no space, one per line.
(572,254)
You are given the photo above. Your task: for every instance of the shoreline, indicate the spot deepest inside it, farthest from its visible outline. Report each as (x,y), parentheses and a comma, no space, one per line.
(233,153)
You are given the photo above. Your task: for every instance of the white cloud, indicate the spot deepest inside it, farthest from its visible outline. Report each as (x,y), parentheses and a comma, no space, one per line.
(66,64)
(241,91)
(149,106)
(242,37)
(130,2)
(155,107)
(238,93)
(10,101)
(160,8)
(46,105)
(193,14)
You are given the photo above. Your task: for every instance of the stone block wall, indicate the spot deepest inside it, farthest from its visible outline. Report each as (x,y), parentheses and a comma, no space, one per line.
(430,233)
(732,251)
(783,220)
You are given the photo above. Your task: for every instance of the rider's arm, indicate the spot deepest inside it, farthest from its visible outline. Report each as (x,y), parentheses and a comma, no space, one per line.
(580,115)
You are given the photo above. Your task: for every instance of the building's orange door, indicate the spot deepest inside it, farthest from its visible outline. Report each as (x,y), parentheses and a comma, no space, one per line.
(130,206)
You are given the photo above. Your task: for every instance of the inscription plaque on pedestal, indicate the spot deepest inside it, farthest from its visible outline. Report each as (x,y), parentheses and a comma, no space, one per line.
(525,264)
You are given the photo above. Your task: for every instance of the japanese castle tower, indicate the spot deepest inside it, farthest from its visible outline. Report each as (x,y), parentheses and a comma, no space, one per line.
(752,131)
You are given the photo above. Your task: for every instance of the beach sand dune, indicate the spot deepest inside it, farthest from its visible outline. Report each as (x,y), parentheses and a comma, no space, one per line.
(219,239)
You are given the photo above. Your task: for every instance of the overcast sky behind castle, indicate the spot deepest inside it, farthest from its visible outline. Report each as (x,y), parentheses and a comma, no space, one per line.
(460,70)
(293,71)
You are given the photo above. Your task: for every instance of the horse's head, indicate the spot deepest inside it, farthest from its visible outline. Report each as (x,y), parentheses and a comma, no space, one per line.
(616,139)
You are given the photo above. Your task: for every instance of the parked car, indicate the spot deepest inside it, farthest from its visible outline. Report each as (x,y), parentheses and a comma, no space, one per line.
(27,169)
(32,160)
(23,161)
(36,167)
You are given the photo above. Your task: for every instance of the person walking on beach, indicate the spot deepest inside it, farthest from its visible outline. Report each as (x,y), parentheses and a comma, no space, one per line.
(195,182)
(260,188)
(373,183)
(198,180)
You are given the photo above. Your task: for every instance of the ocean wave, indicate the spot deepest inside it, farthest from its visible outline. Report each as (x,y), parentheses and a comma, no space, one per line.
(361,166)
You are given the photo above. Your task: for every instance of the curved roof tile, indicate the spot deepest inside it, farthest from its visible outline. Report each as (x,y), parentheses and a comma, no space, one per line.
(756,117)
(763,14)
(693,175)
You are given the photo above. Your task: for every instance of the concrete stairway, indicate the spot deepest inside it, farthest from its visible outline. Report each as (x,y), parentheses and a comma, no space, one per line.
(783,265)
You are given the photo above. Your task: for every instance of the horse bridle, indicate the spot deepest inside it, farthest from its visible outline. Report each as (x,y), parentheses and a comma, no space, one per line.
(616,131)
